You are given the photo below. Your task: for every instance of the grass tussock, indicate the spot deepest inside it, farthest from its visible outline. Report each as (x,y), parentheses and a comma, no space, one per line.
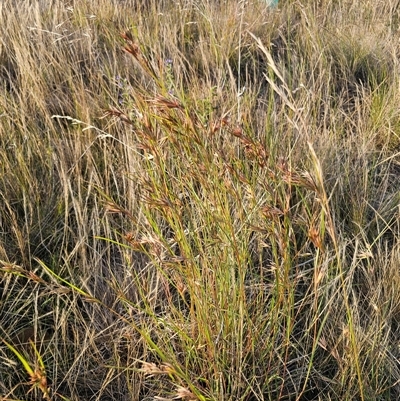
(199,200)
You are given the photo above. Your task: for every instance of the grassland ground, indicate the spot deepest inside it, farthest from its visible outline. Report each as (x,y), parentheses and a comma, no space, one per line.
(199,200)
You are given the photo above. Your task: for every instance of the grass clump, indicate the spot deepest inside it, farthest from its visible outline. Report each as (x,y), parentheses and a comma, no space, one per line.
(199,201)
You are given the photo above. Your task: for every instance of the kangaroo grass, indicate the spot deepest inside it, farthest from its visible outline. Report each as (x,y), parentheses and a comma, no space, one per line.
(199,201)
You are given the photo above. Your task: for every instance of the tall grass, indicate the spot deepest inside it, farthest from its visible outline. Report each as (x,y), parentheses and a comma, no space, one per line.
(199,200)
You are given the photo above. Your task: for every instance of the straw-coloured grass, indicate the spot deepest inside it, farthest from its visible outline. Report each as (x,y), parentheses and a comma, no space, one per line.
(199,200)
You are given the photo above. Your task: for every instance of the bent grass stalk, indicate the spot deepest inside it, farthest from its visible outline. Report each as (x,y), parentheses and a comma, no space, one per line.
(37,374)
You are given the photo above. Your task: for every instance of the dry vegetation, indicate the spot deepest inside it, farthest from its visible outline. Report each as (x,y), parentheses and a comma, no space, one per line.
(199,200)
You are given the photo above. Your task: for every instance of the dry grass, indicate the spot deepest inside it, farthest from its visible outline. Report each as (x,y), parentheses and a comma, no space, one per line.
(205,207)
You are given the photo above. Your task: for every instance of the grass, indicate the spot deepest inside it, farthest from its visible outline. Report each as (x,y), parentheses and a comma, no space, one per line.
(199,200)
